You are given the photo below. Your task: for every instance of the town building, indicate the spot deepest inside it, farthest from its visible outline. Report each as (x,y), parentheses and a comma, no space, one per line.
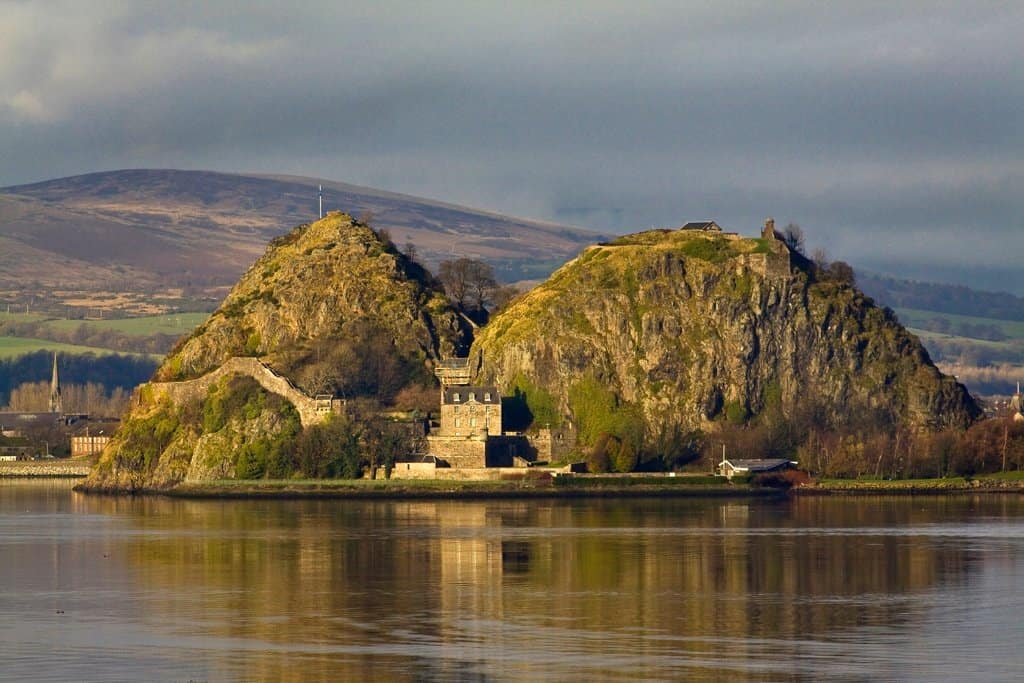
(87,444)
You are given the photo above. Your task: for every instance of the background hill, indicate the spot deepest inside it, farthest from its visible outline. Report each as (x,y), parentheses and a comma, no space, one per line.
(179,234)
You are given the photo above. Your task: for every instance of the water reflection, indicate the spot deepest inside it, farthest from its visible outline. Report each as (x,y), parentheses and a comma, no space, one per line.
(536,590)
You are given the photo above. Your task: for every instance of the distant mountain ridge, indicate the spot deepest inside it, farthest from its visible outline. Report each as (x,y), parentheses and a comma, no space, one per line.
(143,228)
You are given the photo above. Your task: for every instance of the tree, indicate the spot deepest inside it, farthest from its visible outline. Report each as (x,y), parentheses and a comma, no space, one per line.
(503,296)
(410,251)
(470,283)
(841,271)
(482,284)
(454,276)
(793,236)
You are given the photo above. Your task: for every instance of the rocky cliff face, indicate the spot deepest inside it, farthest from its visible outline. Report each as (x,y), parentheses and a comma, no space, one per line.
(320,301)
(685,328)
(331,308)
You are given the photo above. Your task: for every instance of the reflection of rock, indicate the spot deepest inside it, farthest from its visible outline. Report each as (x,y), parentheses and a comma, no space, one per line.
(390,582)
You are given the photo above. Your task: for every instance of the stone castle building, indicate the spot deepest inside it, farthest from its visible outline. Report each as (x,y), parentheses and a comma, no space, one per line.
(467,410)
(471,434)
(470,431)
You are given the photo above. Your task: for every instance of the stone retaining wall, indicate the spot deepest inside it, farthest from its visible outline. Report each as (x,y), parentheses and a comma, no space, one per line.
(45,468)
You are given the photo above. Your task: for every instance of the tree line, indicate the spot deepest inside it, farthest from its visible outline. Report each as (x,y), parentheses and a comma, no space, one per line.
(943,298)
(91,398)
(111,372)
(91,335)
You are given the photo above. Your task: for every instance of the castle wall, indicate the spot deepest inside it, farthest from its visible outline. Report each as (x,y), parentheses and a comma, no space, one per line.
(551,445)
(774,265)
(196,389)
(459,451)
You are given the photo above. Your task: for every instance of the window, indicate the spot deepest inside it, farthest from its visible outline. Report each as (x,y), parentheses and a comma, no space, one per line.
(455,397)
(487,397)
(472,396)
(457,421)
(472,422)
(455,410)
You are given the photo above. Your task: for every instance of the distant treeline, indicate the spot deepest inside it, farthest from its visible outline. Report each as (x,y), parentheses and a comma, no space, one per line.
(112,372)
(942,298)
(987,332)
(91,335)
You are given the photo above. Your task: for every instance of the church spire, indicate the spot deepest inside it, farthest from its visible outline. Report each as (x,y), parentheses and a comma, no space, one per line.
(56,404)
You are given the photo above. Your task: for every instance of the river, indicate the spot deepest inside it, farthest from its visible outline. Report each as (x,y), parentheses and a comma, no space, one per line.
(813,588)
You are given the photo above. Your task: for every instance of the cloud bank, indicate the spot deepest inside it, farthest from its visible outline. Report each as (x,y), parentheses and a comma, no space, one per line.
(892,132)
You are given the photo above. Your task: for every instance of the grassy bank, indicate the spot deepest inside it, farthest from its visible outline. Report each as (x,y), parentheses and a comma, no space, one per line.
(1002,482)
(527,487)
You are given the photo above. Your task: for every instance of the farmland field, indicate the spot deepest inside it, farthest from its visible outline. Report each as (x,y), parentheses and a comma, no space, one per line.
(175,323)
(11,347)
(916,318)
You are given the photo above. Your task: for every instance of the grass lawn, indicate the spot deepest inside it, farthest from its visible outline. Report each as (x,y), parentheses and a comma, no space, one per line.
(21,317)
(11,347)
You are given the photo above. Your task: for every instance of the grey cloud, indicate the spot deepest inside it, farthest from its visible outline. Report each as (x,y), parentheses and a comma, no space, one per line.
(888,131)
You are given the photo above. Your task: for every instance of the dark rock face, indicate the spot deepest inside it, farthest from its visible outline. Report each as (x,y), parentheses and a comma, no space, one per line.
(684,328)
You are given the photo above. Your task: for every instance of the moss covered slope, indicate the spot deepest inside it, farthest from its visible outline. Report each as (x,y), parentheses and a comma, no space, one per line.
(680,329)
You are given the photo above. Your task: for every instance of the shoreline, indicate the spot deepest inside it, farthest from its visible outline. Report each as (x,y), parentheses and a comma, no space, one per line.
(47,469)
(434,490)
(569,487)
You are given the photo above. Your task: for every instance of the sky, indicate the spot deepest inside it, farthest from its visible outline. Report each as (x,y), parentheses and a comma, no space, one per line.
(892,132)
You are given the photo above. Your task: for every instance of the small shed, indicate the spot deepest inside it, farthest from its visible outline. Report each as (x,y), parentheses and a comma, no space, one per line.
(730,468)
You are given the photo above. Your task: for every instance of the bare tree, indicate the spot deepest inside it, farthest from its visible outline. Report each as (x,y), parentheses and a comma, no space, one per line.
(470,283)
(793,236)
(843,272)
(820,258)
(410,250)
(503,296)
(454,276)
(482,284)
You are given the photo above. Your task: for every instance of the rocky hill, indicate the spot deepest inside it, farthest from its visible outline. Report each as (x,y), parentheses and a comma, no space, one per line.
(668,331)
(330,308)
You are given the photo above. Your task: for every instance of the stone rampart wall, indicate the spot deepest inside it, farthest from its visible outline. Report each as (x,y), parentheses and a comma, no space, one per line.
(196,389)
(771,266)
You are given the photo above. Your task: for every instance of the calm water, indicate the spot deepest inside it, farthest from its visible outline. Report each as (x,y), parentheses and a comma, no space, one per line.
(839,589)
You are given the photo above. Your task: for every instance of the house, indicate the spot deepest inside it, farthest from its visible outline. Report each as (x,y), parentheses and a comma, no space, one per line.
(706,226)
(731,468)
(469,410)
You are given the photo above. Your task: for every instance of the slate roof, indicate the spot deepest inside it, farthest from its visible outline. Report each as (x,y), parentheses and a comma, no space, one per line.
(17,419)
(478,395)
(701,225)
